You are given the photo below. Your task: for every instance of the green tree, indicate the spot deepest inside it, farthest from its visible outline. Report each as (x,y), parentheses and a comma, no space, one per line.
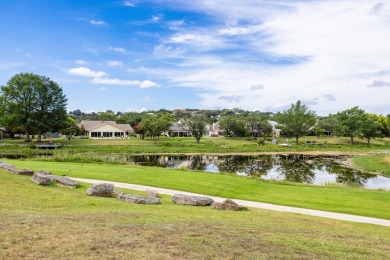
(370,127)
(349,122)
(155,125)
(197,126)
(33,102)
(297,120)
(232,125)
(70,129)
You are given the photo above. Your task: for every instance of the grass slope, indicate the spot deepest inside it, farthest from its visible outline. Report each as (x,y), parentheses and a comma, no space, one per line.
(60,223)
(375,163)
(335,199)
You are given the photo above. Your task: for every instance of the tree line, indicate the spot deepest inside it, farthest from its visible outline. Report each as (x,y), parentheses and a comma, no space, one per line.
(35,104)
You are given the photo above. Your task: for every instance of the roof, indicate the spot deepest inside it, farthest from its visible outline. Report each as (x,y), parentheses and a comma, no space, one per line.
(177,127)
(90,125)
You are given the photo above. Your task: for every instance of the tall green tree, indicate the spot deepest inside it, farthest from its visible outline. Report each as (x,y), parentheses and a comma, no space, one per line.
(370,127)
(155,125)
(297,120)
(33,102)
(232,125)
(350,122)
(196,125)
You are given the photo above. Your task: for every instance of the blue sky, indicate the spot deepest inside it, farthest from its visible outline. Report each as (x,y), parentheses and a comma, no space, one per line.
(254,54)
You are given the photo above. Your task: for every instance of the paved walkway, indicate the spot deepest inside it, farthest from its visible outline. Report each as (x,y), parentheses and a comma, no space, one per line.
(253,204)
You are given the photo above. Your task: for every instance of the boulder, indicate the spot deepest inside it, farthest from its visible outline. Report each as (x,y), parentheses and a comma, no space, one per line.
(65,181)
(227,205)
(101,190)
(191,200)
(44,172)
(138,199)
(42,179)
(151,194)
(25,172)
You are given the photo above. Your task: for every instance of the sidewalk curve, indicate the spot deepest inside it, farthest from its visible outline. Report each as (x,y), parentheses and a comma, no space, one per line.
(253,204)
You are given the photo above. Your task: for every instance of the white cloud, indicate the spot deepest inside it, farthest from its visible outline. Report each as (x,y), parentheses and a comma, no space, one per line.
(102,89)
(120,82)
(114,63)
(99,23)
(100,77)
(86,72)
(156,18)
(128,3)
(117,49)
(298,49)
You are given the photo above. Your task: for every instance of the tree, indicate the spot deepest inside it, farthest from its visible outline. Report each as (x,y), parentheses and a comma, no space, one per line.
(349,122)
(297,120)
(51,102)
(232,125)
(370,127)
(154,125)
(70,129)
(34,102)
(196,125)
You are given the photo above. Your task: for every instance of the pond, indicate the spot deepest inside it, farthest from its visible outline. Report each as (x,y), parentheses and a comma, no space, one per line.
(317,170)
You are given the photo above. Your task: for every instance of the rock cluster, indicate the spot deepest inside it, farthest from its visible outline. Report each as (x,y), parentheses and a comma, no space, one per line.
(191,200)
(65,181)
(10,168)
(227,205)
(42,178)
(101,190)
(138,199)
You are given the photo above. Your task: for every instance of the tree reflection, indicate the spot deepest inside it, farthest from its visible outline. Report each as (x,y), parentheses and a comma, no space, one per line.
(198,164)
(295,169)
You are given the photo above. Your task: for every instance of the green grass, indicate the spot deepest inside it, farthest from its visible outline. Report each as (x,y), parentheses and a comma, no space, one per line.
(60,223)
(337,199)
(375,163)
(188,145)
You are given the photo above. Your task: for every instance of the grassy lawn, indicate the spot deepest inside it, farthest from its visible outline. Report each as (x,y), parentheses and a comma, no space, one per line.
(337,199)
(60,223)
(375,163)
(188,145)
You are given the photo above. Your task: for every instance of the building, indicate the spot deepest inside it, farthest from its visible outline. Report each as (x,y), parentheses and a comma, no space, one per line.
(178,130)
(105,129)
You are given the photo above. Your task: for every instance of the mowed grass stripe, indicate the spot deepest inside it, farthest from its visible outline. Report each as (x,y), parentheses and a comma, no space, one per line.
(335,199)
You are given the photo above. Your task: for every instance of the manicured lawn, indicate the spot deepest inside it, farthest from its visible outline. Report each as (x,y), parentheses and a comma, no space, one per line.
(188,145)
(375,163)
(336,199)
(60,223)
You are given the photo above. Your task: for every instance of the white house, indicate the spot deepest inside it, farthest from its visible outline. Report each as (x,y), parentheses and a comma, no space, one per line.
(105,129)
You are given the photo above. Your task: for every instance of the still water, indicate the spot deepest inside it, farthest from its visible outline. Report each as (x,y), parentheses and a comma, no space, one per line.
(317,170)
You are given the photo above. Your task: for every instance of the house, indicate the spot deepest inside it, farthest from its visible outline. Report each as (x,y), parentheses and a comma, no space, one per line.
(177,130)
(105,129)
(276,131)
(213,130)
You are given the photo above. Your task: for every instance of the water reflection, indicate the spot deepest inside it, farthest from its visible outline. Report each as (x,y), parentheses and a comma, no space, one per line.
(317,170)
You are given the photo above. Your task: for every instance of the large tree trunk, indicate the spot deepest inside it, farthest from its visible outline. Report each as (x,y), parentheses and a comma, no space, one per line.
(368,141)
(39,140)
(296,139)
(27,137)
(197,139)
(351,139)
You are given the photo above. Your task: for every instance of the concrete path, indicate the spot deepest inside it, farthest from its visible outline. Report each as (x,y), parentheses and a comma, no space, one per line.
(253,204)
